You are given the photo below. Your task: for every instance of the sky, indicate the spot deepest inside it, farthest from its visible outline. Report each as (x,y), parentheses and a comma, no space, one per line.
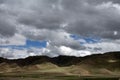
(58,27)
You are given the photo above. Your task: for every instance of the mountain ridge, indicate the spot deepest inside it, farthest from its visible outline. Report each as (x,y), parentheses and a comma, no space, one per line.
(108,63)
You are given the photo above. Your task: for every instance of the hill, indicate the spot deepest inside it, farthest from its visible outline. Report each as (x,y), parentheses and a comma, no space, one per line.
(105,64)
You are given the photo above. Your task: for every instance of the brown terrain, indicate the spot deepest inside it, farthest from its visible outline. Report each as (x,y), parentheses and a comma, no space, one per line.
(97,64)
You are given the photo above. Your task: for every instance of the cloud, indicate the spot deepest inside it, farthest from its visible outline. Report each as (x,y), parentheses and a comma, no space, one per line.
(103,47)
(6,27)
(54,51)
(102,1)
(55,20)
(82,17)
(17,39)
(99,20)
(93,19)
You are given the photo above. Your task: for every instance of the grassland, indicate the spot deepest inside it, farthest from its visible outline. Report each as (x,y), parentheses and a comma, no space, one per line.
(53,76)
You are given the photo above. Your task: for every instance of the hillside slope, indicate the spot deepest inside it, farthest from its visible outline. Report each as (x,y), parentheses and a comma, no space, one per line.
(105,64)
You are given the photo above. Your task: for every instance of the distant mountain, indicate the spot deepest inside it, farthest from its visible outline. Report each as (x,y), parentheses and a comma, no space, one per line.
(108,64)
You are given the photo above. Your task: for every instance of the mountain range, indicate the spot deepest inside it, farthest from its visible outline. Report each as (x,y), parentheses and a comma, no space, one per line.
(97,64)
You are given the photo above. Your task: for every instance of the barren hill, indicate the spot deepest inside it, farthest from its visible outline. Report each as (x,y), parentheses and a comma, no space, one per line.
(107,64)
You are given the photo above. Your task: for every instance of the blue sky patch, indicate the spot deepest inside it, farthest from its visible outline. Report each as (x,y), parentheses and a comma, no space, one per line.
(29,44)
(87,39)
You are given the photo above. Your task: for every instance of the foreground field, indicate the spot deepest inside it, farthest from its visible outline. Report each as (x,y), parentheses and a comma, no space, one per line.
(53,76)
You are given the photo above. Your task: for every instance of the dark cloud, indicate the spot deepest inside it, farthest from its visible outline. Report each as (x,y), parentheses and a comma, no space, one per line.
(84,18)
(99,22)
(49,22)
(1,1)
(102,1)
(6,28)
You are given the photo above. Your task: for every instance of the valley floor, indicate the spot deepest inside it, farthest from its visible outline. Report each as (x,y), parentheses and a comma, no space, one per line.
(54,76)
